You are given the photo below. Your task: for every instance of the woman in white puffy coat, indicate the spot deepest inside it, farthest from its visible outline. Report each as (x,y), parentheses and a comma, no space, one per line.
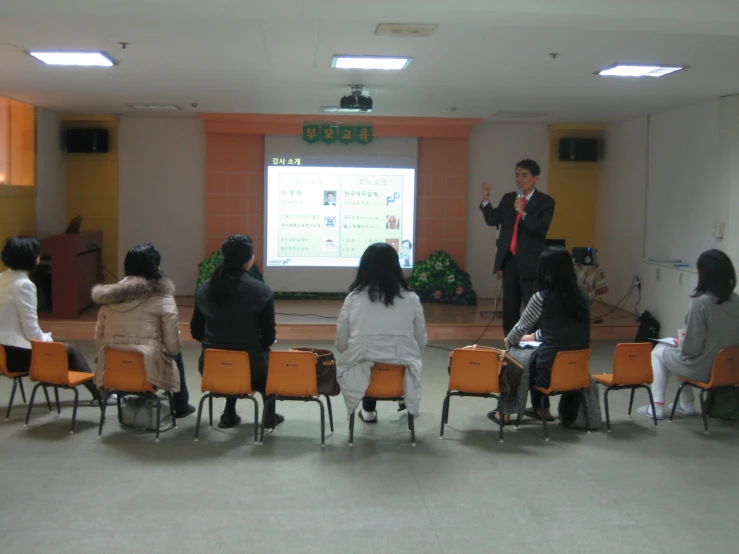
(381,321)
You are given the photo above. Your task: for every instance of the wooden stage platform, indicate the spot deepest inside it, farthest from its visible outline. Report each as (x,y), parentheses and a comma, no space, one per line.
(316,320)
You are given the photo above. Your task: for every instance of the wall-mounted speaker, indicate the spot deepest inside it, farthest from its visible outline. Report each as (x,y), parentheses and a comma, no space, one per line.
(87,141)
(578,149)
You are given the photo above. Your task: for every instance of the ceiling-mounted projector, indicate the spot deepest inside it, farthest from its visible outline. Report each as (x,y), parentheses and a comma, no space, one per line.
(356,102)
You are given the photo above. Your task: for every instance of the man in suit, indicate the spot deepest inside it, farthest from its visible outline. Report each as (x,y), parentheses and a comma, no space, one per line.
(524,218)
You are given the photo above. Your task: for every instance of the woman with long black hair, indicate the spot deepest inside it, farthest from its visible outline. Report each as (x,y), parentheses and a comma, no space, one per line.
(381,321)
(235,311)
(561,310)
(712,323)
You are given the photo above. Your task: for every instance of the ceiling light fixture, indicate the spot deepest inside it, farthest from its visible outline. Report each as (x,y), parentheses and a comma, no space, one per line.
(88,59)
(390,63)
(155,107)
(639,70)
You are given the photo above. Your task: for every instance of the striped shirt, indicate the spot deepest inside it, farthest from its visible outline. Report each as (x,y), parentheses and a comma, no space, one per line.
(529,318)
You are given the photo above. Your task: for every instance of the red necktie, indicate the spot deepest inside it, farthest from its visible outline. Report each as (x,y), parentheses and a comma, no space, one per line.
(514,240)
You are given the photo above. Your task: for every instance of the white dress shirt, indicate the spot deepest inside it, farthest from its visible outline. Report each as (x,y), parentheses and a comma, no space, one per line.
(19,311)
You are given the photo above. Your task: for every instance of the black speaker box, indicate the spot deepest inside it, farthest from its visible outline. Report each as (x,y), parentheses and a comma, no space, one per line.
(578,150)
(87,141)
(584,256)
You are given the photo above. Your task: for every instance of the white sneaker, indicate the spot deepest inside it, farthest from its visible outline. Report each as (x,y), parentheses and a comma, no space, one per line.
(368,417)
(646,411)
(112,401)
(681,409)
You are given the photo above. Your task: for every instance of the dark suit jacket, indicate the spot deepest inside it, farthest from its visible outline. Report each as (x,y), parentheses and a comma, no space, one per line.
(532,230)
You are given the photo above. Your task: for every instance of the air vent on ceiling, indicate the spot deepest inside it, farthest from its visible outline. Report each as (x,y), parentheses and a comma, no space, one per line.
(514,114)
(404,30)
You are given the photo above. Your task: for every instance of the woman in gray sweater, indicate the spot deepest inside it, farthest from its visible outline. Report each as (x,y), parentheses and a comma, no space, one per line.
(712,323)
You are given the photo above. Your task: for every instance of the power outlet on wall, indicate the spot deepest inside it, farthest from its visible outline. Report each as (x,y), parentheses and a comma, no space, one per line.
(638,282)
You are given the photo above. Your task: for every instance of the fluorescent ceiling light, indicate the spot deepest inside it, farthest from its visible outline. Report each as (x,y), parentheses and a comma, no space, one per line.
(98,59)
(337,109)
(393,63)
(632,70)
(155,107)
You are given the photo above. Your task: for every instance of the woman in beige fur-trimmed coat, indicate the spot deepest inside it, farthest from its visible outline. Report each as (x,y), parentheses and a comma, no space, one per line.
(139,314)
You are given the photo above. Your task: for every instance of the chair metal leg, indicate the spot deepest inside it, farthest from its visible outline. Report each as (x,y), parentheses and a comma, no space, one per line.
(677,399)
(103,406)
(631,402)
(159,416)
(412,426)
(12,396)
(323,423)
(210,411)
(74,409)
(605,402)
(118,401)
(518,418)
(330,413)
(200,414)
(444,415)
(46,394)
(703,411)
(23,392)
(501,419)
(584,394)
(351,429)
(30,404)
(267,401)
(256,418)
(171,408)
(544,419)
(651,403)
(56,397)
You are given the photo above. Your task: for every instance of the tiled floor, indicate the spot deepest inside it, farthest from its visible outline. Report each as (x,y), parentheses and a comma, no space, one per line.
(634,490)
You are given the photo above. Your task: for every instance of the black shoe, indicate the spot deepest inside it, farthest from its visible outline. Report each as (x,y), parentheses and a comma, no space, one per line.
(228,421)
(274,422)
(184,412)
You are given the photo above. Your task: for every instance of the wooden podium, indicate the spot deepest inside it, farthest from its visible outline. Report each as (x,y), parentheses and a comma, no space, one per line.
(76,266)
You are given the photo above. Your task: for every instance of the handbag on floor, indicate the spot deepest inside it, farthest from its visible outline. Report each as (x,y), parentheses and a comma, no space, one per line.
(723,404)
(572,410)
(325,370)
(141,412)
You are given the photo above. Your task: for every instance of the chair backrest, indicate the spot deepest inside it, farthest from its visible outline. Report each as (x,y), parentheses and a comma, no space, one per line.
(571,370)
(226,372)
(292,373)
(49,363)
(386,381)
(474,370)
(3,362)
(725,370)
(632,364)
(124,371)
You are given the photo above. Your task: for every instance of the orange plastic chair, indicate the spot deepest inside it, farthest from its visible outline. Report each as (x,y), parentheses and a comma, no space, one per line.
(292,376)
(386,384)
(570,372)
(724,375)
(632,369)
(226,374)
(17,377)
(125,375)
(474,372)
(50,367)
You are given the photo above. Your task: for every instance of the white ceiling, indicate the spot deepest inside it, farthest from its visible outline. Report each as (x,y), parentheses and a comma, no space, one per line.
(275,56)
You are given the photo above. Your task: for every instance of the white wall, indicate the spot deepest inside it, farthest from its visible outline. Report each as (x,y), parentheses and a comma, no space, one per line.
(51,175)
(161,193)
(686,195)
(494,150)
(621,205)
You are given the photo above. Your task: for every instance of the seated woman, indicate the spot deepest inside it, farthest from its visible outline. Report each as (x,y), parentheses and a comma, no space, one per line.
(562,312)
(235,311)
(139,314)
(711,324)
(18,310)
(380,321)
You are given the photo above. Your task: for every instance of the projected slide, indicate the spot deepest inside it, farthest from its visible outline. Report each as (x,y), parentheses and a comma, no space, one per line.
(327,216)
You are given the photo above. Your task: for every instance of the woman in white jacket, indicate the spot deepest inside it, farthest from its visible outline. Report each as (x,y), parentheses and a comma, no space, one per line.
(18,310)
(381,321)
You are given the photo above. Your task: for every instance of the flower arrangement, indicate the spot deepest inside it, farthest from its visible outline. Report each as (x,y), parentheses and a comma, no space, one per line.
(439,279)
(209,264)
